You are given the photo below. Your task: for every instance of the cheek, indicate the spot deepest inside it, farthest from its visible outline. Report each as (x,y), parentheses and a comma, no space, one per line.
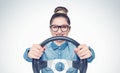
(52,33)
(66,33)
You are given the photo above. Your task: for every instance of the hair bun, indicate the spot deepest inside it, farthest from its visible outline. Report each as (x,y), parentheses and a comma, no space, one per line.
(61,9)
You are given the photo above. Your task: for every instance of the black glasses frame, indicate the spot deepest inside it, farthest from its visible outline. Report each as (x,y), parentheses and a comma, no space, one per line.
(61,28)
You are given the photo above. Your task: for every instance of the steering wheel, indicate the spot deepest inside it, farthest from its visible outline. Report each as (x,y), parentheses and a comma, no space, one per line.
(81,65)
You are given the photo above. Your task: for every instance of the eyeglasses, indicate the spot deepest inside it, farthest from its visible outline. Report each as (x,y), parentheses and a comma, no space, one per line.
(63,28)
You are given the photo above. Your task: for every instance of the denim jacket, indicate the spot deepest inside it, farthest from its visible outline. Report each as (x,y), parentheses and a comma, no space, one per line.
(64,51)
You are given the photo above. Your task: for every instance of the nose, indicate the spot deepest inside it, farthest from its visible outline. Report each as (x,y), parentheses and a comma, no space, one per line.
(59,30)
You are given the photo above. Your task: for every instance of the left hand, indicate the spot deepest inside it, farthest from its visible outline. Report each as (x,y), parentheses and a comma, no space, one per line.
(83,51)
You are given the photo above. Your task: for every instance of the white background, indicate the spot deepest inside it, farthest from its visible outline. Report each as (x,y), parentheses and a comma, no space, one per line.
(94,22)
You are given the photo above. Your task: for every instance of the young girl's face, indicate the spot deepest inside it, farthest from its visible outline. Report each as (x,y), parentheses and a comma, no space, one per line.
(59,27)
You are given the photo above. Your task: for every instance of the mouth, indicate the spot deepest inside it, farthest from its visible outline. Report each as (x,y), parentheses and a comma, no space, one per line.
(59,34)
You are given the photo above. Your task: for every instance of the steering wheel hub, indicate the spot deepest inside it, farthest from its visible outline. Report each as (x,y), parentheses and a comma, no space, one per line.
(59,65)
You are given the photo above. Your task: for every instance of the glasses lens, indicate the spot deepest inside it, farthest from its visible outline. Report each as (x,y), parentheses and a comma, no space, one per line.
(54,28)
(64,28)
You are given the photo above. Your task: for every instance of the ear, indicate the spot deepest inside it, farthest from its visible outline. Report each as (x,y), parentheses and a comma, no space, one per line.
(69,28)
(50,29)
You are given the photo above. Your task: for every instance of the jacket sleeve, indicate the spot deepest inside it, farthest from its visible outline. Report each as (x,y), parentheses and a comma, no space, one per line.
(25,55)
(90,59)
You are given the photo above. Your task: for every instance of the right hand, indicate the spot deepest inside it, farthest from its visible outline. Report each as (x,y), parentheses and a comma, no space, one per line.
(36,51)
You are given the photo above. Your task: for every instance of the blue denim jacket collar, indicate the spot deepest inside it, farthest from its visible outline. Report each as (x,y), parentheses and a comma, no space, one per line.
(62,47)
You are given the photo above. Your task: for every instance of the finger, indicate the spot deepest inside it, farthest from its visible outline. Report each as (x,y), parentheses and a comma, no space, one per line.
(75,50)
(80,47)
(83,49)
(84,53)
(35,50)
(35,55)
(79,51)
(39,47)
(32,56)
(85,56)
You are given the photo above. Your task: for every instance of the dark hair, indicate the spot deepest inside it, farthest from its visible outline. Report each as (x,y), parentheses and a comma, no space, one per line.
(60,15)
(61,8)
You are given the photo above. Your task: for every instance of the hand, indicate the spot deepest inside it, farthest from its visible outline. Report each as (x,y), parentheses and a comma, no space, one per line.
(36,51)
(83,51)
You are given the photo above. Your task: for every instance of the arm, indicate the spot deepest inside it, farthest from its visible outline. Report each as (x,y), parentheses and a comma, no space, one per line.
(25,55)
(90,59)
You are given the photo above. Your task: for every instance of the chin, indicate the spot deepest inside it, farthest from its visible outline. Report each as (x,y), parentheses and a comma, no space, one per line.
(60,41)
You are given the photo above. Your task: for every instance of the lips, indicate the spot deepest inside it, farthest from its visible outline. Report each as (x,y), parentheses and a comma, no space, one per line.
(59,34)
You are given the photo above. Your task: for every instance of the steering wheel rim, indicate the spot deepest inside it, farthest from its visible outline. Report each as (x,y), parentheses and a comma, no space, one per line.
(35,62)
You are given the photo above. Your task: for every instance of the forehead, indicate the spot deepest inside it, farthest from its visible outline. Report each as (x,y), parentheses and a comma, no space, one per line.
(59,21)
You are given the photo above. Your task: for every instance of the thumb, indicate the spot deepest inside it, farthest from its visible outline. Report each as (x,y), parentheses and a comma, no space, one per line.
(76,50)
